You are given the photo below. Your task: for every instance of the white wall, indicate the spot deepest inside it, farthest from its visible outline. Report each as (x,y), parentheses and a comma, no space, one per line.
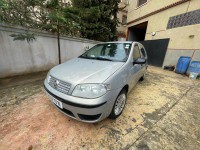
(73,48)
(172,56)
(20,57)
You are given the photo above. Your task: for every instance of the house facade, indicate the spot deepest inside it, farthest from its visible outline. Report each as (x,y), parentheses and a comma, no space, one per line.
(122,16)
(154,21)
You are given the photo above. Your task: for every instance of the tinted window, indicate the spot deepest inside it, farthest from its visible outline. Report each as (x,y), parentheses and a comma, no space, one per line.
(110,51)
(136,52)
(124,20)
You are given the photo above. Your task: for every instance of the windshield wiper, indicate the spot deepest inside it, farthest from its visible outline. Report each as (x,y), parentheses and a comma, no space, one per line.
(97,58)
(86,57)
(101,58)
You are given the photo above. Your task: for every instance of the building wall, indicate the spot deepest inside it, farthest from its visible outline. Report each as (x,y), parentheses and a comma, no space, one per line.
(122,28)
(180,43)
(20,57)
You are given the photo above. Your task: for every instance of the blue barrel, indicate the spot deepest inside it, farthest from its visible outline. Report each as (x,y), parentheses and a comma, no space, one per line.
(194,67)
(182,64)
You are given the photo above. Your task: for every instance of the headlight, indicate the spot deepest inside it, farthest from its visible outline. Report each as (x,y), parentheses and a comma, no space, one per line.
(48,77)
(90,90)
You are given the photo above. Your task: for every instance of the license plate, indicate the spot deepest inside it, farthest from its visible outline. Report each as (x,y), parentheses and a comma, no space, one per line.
(58,103)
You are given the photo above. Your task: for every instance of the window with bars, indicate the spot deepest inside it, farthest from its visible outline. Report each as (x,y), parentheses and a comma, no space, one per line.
(141,2)
(186,19)
(124,20)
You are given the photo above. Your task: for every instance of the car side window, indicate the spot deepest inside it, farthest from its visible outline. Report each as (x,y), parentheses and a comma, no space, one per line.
(143,54)
(136,52)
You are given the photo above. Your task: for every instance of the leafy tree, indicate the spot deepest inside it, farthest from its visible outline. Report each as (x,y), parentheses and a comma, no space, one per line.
(92,19)
(40,14)
(98,18)
(51,15)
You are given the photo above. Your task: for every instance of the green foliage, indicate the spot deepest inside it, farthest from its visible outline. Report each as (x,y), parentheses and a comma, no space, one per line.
(40,14)
(98,19)
(92,19)
(22,37)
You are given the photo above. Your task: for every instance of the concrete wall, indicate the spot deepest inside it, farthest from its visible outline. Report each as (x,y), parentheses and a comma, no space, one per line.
(180,43)
(173,55)
(20,57)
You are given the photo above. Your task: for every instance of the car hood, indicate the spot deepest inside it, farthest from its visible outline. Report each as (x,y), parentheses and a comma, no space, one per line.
(80,70)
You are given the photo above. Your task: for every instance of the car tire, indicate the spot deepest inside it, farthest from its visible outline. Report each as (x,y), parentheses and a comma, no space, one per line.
(119,105)
(142,78)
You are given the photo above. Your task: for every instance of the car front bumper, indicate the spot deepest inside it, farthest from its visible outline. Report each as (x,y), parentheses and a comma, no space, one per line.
(86,110)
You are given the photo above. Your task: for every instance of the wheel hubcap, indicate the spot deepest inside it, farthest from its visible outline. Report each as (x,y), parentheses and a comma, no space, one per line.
(120,103)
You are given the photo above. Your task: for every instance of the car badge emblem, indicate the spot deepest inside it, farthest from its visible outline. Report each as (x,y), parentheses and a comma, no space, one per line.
(56,82)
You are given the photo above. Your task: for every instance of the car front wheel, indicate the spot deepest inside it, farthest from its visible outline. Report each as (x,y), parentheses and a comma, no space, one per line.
(119,105)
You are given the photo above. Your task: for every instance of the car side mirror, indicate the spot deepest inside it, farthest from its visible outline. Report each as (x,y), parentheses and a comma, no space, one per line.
(140,61)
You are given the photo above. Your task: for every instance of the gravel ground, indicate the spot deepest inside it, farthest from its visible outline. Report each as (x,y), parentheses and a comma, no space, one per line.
(162,112)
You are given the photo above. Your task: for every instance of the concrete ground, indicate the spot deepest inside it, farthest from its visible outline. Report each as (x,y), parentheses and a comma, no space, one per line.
(162,112)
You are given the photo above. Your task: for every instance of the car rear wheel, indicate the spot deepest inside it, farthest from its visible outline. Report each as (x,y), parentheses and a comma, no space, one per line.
(119,105)
(142,78)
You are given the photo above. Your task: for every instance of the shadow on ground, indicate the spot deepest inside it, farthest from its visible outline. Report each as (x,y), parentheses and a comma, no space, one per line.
(162,112)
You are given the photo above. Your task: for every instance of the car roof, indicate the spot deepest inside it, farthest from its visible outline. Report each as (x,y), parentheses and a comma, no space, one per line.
(129,42)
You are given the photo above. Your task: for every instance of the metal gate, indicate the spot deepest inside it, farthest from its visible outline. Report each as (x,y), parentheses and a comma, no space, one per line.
(156,50)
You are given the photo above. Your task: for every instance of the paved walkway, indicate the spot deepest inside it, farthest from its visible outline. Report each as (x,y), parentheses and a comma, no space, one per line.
(162,112)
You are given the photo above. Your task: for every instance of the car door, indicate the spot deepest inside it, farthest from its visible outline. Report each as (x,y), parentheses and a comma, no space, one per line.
(135,68)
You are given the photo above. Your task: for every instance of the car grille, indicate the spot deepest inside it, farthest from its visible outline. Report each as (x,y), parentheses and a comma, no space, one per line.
(59,85)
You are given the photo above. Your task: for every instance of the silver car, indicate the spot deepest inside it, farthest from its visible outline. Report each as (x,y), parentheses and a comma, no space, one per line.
(95,85)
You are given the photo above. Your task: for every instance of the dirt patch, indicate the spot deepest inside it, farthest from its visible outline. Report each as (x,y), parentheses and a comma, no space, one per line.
(28,120)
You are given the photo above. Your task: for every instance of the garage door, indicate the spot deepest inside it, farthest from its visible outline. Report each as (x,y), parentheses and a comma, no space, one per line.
(156,50)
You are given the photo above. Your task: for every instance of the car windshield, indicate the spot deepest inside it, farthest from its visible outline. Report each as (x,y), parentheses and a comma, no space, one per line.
(108,52)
